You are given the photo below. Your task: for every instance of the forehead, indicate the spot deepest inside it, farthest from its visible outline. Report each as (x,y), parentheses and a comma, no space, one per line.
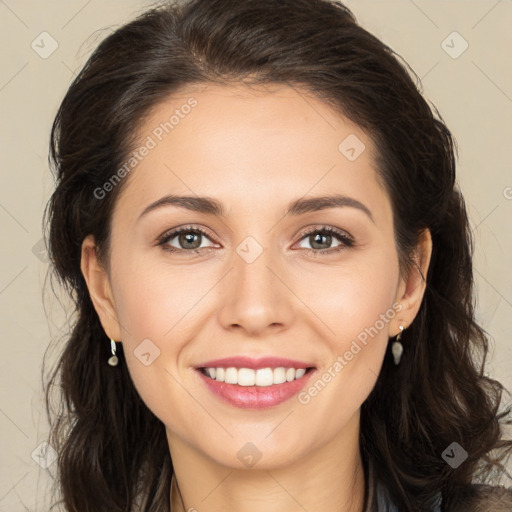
(238,143)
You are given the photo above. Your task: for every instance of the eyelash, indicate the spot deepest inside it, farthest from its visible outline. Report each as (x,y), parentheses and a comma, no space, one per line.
(343,237)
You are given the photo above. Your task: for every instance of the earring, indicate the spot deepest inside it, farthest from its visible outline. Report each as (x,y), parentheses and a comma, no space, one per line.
(397,347)
(113,360)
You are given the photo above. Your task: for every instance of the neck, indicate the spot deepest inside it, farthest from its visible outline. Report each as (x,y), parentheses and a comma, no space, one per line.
(328,478)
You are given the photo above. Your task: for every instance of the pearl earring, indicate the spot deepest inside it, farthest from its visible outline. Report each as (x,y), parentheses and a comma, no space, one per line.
(113,360)
(397,348)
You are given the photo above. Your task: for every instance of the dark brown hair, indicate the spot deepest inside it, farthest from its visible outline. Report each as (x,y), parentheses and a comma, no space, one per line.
(113,452)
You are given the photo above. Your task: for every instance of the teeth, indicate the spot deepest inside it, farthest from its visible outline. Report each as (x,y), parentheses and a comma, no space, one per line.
(245,377)
(264,377)
(299,373)
(231,376)
(249,377)
(279,375)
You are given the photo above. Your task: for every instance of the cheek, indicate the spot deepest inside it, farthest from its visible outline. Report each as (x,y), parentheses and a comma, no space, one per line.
(357,311)
(353,297)
(155,307)
(346,301)
(153,300)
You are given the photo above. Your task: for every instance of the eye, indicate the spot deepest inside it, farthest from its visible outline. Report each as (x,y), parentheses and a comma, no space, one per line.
(187,237)
(321,237)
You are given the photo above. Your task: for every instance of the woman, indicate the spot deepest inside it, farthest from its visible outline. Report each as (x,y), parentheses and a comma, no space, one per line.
(256,214)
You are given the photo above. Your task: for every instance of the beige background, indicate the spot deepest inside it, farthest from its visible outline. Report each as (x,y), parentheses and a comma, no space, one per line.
(473,93)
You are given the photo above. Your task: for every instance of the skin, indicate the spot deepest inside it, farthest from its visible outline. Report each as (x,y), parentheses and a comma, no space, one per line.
(255,150)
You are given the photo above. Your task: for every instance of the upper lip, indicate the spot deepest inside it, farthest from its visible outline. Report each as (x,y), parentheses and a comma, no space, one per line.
(255,364)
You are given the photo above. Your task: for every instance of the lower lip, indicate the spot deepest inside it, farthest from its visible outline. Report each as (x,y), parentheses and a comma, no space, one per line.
(256,397)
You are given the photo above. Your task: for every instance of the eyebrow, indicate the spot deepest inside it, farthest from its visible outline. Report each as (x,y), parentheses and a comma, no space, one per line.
(211,206)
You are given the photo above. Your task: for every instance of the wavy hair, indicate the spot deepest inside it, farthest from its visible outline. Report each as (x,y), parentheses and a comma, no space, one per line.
(113,452)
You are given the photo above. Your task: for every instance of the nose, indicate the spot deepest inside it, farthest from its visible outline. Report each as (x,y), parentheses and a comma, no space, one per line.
(256,296)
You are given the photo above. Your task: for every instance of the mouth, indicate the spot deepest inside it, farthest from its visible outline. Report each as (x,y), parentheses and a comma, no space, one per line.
(250,388)
(262,377)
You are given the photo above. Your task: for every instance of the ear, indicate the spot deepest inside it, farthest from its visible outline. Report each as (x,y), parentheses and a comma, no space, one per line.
(100,291)
(412,286)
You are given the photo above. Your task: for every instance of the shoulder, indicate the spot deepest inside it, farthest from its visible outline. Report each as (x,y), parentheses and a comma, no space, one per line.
(484,498)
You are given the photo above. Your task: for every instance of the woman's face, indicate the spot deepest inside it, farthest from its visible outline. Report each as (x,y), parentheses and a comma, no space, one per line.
(256,283)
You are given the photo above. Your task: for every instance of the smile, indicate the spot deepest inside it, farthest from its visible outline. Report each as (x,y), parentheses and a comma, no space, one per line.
(249,388)
(262,377)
